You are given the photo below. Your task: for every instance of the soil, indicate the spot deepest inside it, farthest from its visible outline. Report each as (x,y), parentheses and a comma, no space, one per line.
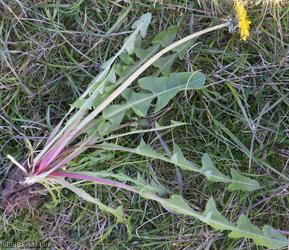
(16,196)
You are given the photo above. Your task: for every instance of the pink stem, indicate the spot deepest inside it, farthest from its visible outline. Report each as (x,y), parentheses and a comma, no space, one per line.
(97,180)
(62,160)
(65,152)
(50,156)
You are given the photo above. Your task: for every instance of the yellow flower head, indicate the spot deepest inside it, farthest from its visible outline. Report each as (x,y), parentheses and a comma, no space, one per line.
(244,22)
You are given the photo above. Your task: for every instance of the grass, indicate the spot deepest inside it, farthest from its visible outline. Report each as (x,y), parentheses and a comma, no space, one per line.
(51,51)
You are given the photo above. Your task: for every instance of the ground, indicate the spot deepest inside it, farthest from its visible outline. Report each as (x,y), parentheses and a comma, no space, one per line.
(49,53)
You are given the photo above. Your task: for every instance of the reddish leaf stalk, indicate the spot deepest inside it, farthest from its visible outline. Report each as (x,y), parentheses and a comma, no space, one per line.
(97,180)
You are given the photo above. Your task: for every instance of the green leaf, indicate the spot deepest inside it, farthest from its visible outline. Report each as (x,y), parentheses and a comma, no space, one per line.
(247,229)
(125,58)
(177,157)
(174,204)
(139,26)
(78,103)
(146,150)
(214,218)
(98,83)
(143,53)
(142,24)
(117,118)
(242,183)
(140,182)
(276,239)
(141,131)
(129,43)
(118,212)
(211,172)
(165,88)
(179,160)
(177,204)
(267,237)
(165,64)
(140,108)
(149,186)
(166,37)
(237,182)
(162,88)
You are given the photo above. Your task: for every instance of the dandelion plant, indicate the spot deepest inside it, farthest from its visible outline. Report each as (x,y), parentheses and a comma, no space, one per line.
(95,118)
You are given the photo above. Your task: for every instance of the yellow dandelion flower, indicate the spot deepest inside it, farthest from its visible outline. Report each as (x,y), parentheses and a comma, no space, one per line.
(243,19)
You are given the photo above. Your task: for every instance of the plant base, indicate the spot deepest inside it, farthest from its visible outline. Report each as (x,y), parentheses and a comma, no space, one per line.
(16,196)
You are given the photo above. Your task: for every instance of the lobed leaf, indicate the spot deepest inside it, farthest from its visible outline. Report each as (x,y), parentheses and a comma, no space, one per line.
(214,218)
(146,150)
(237,182)
(127,66)
(166,37)
(161,88)
(177,204)
(179,160)
(165,88)
(165,64)
(267,237)
(142,24)
(211,172)
(242,183)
